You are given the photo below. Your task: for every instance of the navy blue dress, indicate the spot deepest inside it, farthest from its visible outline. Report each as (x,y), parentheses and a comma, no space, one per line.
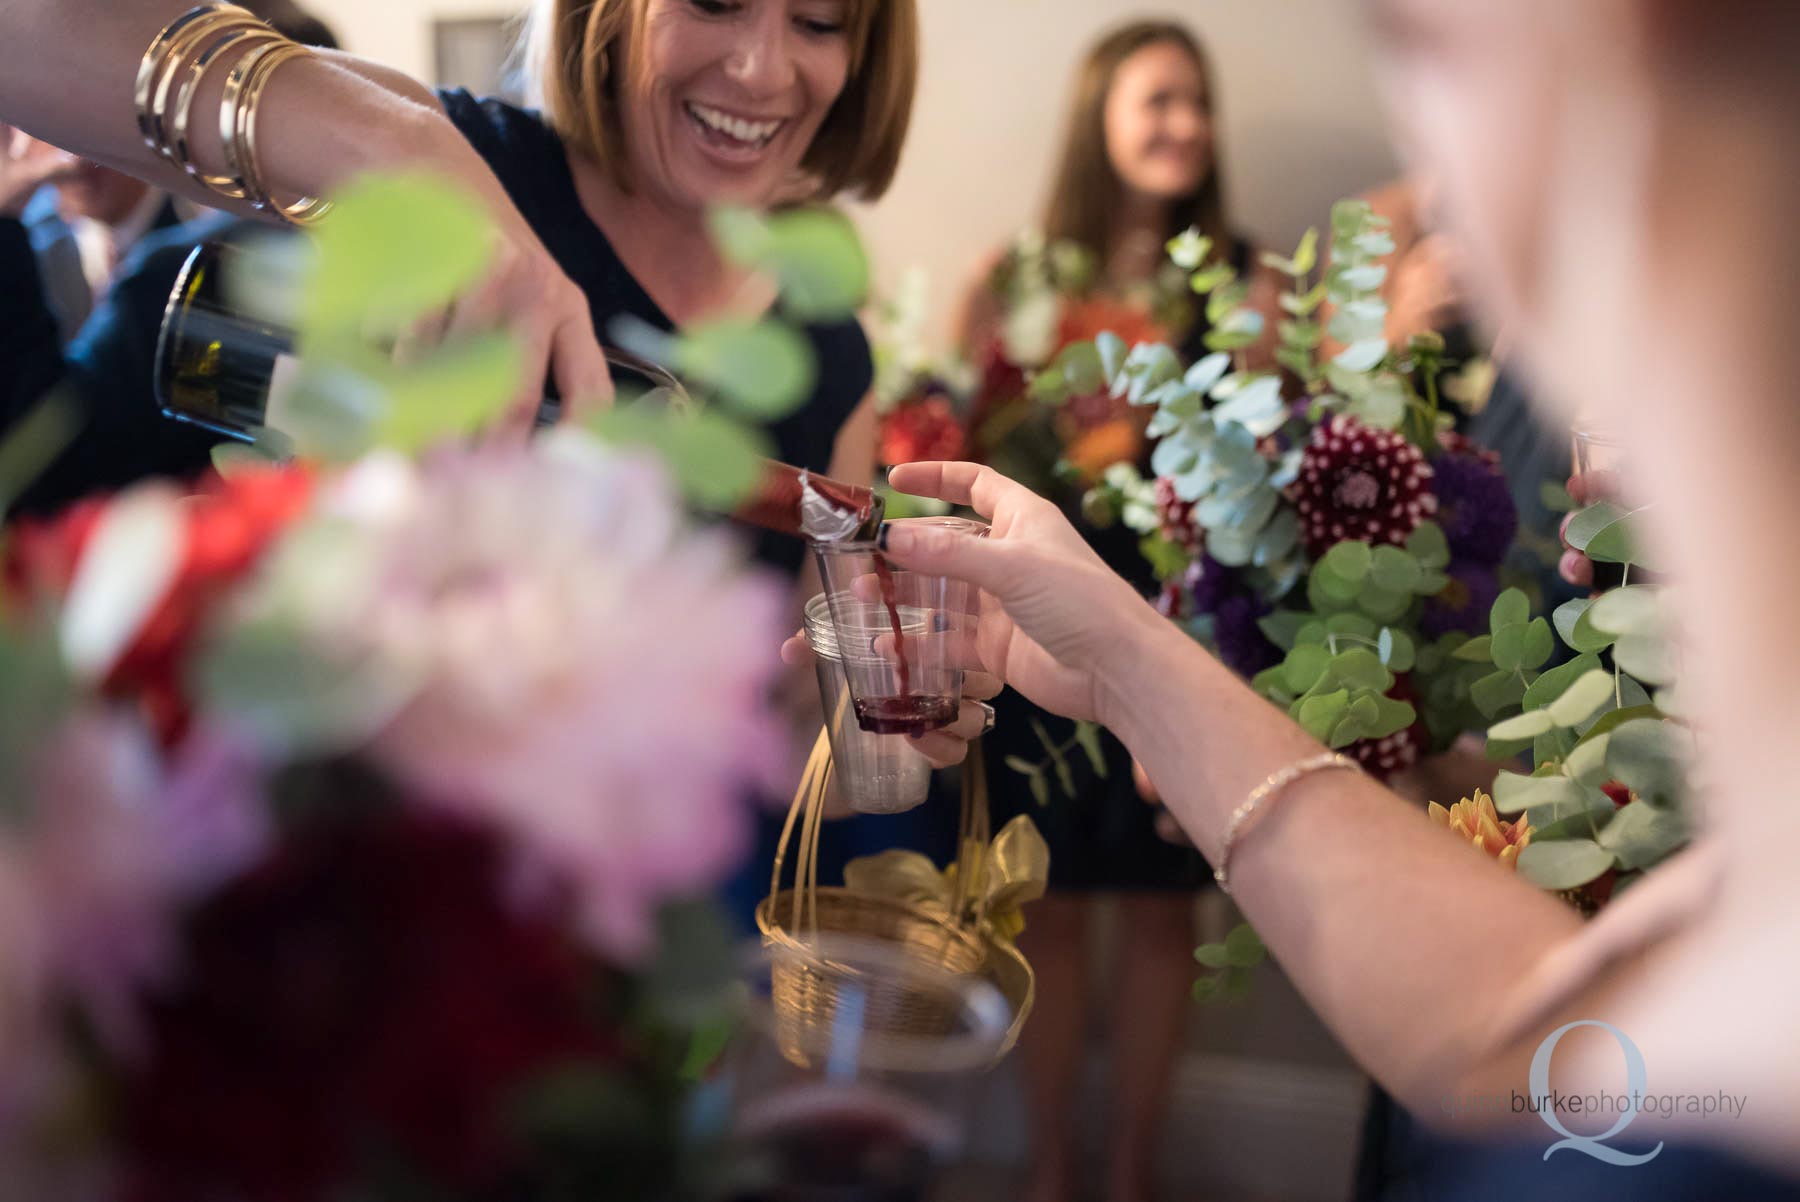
(533,166)
(531,162)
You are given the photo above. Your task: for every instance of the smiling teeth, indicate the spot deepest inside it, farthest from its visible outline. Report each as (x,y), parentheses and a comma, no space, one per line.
(753,132)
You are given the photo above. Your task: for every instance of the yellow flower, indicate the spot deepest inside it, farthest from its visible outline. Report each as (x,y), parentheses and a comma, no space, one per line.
(1477,821)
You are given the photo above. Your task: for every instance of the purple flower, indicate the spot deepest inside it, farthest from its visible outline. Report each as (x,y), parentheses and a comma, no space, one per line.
(1475,507)
(1465,604)
(1236,611)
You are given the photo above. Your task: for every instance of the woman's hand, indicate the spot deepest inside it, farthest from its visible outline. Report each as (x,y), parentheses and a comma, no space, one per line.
(1591,489)
(26,165)
(1055,621)
(527,292)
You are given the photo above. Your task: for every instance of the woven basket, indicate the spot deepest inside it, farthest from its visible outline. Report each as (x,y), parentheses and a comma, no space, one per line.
(805,1001)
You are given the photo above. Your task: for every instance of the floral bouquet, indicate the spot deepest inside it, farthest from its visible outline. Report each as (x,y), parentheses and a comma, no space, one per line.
(1336,542)
(1329,534)
(359,817)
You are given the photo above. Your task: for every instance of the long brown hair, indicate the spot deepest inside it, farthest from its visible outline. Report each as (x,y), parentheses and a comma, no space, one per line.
(1088,189)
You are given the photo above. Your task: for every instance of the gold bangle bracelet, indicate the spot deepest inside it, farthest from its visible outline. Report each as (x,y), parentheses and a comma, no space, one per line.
(1276,782)
(148,66)
(229,186)
(306,210)
(168,68)
(231,119)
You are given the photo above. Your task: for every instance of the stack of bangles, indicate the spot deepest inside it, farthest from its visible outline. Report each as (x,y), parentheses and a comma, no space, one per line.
(171,75)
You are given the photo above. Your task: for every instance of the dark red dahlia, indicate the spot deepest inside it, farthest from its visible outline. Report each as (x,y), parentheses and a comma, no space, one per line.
(1177,517)
(1359,483)
(369,987)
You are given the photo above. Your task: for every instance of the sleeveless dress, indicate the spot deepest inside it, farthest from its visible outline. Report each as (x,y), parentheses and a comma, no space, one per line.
(1102,835)
(532,164)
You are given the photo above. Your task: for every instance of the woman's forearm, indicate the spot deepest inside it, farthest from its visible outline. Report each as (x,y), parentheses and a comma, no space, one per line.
(67,70)
(1349,885)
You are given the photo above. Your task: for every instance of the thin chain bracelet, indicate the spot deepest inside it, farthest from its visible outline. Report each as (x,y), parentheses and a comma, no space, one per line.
(1276,782)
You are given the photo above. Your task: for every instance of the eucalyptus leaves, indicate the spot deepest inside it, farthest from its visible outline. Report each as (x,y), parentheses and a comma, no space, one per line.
(400,247)
(1314,506)
(1611,756)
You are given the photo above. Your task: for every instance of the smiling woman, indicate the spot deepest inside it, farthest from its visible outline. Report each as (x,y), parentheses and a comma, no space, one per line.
(651,112)
(731,99)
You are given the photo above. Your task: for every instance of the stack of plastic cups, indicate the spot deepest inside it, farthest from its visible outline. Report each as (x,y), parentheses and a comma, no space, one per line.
(875,774)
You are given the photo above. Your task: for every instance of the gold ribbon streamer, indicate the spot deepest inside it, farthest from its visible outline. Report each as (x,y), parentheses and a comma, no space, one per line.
(1013,871)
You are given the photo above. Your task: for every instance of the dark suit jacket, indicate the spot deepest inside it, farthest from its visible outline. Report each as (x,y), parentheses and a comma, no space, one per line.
(65,284)
(107,372)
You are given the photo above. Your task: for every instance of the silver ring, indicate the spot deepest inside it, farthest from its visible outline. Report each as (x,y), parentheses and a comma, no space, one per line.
(988,717)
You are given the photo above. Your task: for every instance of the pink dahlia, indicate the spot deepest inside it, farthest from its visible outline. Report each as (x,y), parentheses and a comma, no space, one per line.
(552,649)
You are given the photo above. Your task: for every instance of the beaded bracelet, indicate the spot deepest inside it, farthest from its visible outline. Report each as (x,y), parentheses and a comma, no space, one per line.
(1276,782)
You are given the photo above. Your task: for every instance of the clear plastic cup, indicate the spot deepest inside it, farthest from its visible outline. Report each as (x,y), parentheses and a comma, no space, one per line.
(875,774)
(908,684)
(857,1071)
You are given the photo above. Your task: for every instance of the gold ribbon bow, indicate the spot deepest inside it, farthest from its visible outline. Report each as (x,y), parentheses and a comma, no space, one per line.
(1014,870)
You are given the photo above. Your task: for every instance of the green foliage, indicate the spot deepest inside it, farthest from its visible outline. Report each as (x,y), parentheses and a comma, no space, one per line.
(763,368)
(1056,762)
(813,253)
(716,461)
(1588,724)
(397,247)
(1564,863)
(34,442)
(1232,961)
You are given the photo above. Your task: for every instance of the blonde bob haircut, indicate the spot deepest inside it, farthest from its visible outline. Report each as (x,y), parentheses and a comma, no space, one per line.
(571,51)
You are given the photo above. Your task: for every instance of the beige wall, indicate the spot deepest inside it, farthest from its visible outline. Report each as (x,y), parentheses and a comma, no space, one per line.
(1300,121)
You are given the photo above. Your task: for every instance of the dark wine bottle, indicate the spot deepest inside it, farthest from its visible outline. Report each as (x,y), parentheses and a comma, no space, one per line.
(228,370)
(232,372)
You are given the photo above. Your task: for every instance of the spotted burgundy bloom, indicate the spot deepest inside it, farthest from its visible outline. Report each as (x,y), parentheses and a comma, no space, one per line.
(1382,758)
(1176,517)
(1359,483)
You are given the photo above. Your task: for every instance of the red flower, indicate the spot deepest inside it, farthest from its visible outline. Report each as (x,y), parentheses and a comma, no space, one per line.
(366,989)
(230,523)
(921,430)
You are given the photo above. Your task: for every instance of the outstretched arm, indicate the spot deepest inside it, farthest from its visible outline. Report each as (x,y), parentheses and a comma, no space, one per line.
(67,74)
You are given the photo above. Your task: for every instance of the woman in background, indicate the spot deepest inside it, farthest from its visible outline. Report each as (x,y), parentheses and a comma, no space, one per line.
(1139,165)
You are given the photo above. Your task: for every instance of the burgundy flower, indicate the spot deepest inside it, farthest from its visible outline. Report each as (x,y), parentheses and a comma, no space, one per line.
(1359,483)
(1177,518)
(1382,758)
(367,988)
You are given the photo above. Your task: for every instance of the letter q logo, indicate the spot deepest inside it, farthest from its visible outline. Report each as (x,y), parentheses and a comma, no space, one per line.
(1593,1145)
